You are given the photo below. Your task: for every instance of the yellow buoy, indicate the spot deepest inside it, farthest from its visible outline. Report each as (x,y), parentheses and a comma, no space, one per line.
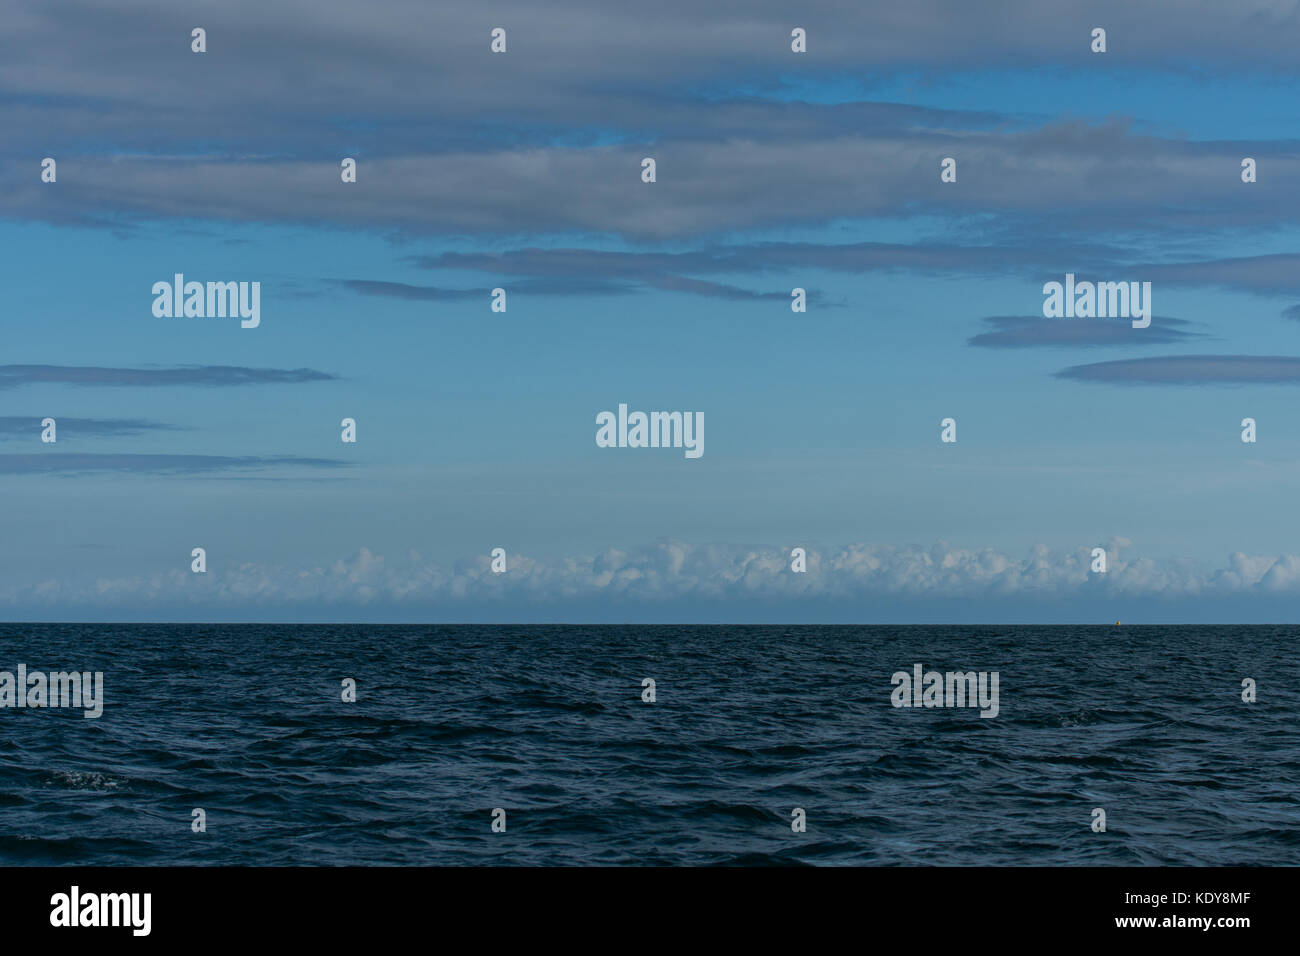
(1117,623)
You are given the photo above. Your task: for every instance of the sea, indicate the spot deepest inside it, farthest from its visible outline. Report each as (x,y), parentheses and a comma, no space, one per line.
(470,745)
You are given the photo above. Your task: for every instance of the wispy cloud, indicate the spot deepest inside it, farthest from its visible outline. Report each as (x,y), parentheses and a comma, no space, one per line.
(1276,274)
(720,290)
(1035,261)
(30,427)
(1030,331)
(77,464)
(575,285)
(561,286)
(402,290)
(665,269)
(13,376)
(1191,370)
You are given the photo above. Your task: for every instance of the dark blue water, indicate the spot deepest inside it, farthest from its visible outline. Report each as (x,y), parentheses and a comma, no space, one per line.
(548,723)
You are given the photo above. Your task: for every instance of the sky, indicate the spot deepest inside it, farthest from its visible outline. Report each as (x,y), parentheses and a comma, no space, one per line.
(774,170)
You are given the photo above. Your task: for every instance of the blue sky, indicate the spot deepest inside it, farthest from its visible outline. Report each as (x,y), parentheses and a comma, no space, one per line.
(522,171)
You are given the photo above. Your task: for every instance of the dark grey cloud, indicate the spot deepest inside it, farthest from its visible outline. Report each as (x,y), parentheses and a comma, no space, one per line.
(1034,331)
(12,376)
(374,65)
(1033,260)
(548,137)
(1191,370)
(1075,178)
(71,428)
(1039,261)
(574,285)
(570,262)
(74,464)
(718,290)
(403,290)
(1277,274)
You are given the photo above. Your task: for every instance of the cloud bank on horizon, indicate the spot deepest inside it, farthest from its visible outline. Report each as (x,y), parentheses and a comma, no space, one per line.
(892,582)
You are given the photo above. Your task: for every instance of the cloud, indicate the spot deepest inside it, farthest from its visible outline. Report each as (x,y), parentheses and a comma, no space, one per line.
(1277,274)
(13,376)
(1046,257)
(673,571)
(1031,331)
(75,464)
(549,136)
(619,70)
(649,267)
(718,290)
(30,427)
(1072,178)
(1190,370)
(403,290)
(572,285)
